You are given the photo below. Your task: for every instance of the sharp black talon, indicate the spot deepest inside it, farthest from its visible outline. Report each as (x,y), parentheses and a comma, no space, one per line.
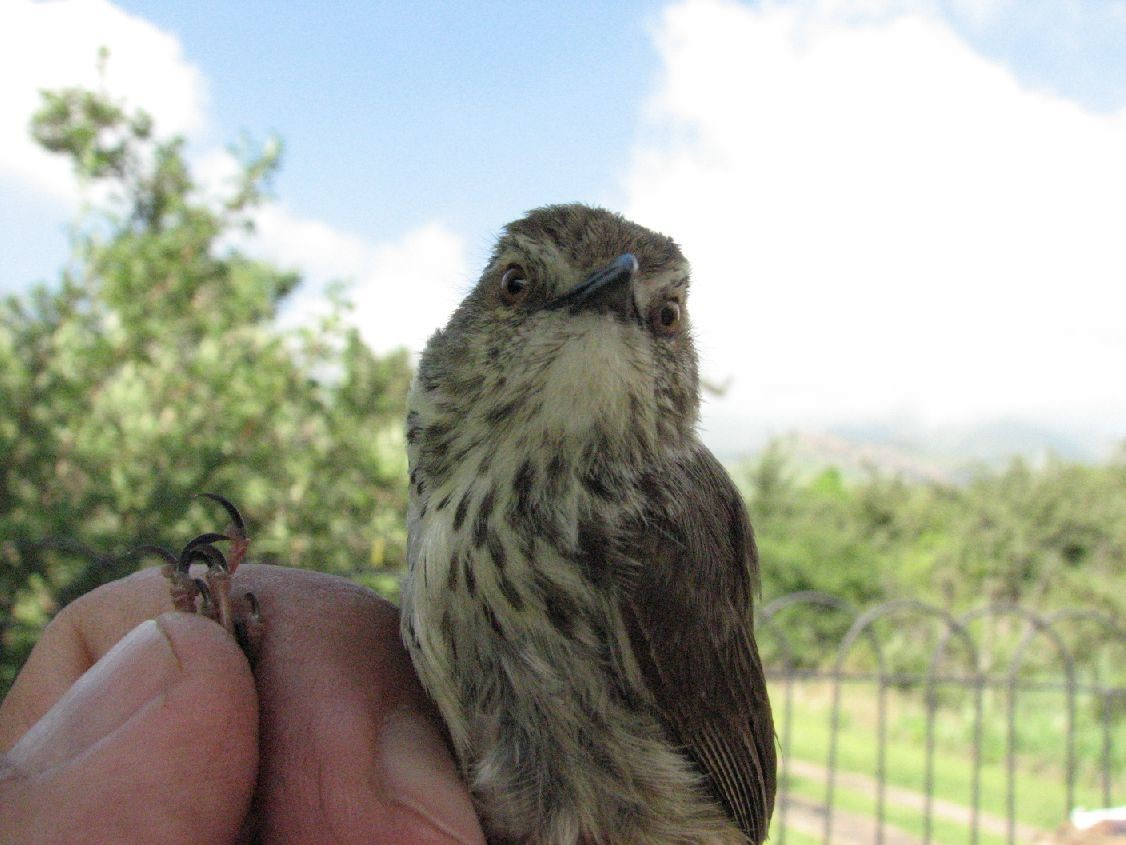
(232,512)
(206,554)
(245,642)
(203,540)
(248,630)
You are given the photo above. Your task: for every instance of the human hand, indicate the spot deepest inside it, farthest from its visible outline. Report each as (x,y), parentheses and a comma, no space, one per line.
(125,730)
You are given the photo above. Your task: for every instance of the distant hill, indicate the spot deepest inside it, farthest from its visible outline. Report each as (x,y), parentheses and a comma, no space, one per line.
(945,454)
(808,453)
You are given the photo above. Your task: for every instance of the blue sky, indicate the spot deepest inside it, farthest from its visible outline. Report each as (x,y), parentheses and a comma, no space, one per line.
(898,210)
(394,113)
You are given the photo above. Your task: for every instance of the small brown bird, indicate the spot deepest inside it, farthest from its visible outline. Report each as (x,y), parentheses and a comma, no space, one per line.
(582,570)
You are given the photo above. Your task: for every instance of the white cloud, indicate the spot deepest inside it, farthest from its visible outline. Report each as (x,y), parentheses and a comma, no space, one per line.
(402,290)
(882,221)
(411,287)
(53,45)
(981,13)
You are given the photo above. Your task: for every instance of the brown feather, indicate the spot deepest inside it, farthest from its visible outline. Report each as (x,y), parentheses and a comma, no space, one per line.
(688,609)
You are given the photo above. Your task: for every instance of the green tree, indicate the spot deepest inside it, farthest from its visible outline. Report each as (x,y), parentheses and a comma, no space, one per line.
(811,535)
(153,369)
(1047,538)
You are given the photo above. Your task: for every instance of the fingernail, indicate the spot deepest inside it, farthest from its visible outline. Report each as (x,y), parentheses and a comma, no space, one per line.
(134,672)
(419,774)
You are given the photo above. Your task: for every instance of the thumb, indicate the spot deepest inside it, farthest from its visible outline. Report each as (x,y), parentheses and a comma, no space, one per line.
(157,741)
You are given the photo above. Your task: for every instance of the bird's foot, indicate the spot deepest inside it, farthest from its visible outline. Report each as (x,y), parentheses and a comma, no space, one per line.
(211,594)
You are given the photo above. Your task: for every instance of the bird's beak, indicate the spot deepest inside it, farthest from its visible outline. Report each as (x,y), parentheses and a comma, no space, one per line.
(608,289)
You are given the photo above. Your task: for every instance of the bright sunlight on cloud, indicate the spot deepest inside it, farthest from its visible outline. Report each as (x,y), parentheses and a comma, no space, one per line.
(401,289)
(881,221)
(55,45)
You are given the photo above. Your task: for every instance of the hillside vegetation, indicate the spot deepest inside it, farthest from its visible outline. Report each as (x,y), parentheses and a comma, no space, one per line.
(1048,537)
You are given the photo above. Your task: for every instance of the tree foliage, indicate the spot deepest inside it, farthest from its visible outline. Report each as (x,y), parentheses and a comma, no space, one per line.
(1049,537)
(153,369)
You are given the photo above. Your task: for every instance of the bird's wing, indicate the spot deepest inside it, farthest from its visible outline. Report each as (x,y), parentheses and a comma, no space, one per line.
(687,607)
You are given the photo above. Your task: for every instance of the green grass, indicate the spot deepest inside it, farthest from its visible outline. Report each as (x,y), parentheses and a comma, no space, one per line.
(793,837)
(943,831)
(1040,795)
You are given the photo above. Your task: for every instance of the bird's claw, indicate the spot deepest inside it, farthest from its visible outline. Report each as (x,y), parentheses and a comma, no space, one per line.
(210,596)
(240,540)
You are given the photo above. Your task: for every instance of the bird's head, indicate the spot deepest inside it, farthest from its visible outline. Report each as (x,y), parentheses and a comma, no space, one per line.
(578,327)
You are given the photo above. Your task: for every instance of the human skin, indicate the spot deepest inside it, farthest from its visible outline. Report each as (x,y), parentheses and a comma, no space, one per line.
(128,719)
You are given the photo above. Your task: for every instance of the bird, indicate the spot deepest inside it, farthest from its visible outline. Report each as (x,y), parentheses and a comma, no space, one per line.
(578,600)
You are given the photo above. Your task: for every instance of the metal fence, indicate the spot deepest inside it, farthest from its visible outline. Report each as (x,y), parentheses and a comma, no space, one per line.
(957,682)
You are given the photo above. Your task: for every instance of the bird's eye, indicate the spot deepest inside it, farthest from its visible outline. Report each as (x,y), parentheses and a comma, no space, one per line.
(513,284)
(666,319)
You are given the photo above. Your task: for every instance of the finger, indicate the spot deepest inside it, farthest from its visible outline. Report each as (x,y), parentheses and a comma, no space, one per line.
(343,715)
(354,744)
(77,637)
(159,735)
